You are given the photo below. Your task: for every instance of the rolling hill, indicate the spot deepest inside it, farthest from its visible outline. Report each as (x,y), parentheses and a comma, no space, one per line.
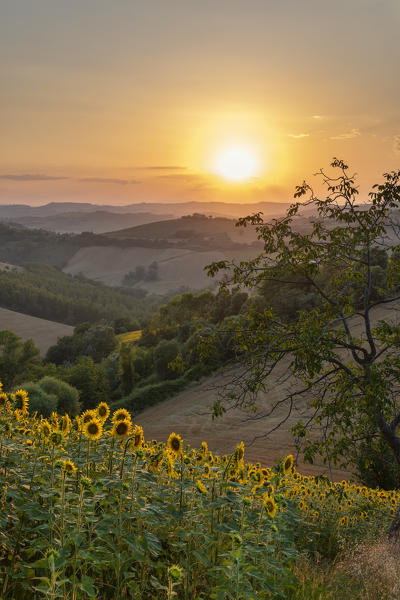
(44,333)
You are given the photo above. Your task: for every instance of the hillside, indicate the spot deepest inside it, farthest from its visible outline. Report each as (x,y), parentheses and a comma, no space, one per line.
(177,268)
(98,221)
(44,333)
(44,291)
(190,230)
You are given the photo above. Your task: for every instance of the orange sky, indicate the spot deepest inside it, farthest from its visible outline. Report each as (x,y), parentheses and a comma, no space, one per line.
(129,101)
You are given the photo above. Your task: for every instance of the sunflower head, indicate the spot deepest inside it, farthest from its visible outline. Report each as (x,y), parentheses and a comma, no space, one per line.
(22,400)
(270,505)
(68,467)
(45,429)
(87,416)
(287,464)
(103,411)
(204,449)
(175,444)
(201,487)
(137,438)
(65,425)
(175,573)
(3,399)
(121,414)
(121,428)
(92,429)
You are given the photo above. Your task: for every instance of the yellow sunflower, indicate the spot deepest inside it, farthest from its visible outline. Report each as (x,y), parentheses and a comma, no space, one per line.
(103,411)
(204,449)
(68,467)
(137,438)
(45,428)
(65,425)
(93,429)
(3,399)
(21,396)
(121,428)
(121,414)
(201,487)
(88,415)
(270,505)
(287,464)
(175,444)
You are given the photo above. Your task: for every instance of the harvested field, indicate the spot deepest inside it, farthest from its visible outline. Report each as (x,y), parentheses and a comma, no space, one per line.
(44,333)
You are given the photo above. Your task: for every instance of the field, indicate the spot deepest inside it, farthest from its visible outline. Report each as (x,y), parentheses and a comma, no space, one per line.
(92,510)
(177,268)
(44,333)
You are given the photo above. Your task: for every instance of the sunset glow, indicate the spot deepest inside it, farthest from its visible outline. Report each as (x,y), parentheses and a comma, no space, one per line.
(236,163)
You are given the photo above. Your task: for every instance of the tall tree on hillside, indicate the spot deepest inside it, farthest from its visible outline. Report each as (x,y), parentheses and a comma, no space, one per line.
(18,360)
(343,352)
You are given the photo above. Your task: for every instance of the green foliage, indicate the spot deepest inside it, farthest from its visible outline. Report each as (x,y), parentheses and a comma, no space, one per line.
(126,368)
(18,359)
(375,465)
(344,362)
(67,396)
(96,341)
(44,291)
(163,355)
(90,380)
(40,401)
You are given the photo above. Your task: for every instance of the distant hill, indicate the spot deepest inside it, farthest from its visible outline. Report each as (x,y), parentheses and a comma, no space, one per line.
(44,333)
(215,231)
(177,209)
(98,221)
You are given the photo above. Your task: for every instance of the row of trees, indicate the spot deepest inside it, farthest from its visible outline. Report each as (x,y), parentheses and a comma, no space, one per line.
(44,291)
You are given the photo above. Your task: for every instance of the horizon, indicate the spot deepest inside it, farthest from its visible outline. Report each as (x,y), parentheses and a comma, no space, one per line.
(130,103)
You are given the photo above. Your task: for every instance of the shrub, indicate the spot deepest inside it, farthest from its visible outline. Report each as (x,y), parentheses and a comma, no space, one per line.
(67,395)
(39,400)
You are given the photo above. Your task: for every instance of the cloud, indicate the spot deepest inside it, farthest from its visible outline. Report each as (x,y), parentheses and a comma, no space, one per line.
(349,135)
(396,143)
(30,177)
(114,180)
(298,136)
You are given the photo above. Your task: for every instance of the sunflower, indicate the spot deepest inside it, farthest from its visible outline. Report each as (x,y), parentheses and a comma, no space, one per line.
(204,449)
(156,460)
(270,505)
(121,414)
(103,411)
(45,428)
(87,416)
(287,464)
(121,428)
(137,438)
(3,399)
(21,396)
(175,444)
(65,425)
(68,467)
(201,487)
(93,429)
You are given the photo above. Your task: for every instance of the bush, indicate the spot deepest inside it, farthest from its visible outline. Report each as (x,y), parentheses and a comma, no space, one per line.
(67,395)
(40,401)
(151,394)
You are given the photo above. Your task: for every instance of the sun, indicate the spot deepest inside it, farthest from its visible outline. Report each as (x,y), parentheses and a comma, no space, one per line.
(236,163)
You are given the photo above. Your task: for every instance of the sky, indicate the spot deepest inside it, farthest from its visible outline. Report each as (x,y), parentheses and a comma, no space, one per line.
(125,101)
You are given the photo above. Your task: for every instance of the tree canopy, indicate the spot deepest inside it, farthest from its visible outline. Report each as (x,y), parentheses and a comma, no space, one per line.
(340,350)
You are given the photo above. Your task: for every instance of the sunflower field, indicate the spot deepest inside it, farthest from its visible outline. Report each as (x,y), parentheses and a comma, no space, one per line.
(89,509)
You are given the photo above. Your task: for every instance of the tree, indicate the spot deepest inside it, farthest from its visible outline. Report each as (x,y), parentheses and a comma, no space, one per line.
(343,352)
(18,360)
